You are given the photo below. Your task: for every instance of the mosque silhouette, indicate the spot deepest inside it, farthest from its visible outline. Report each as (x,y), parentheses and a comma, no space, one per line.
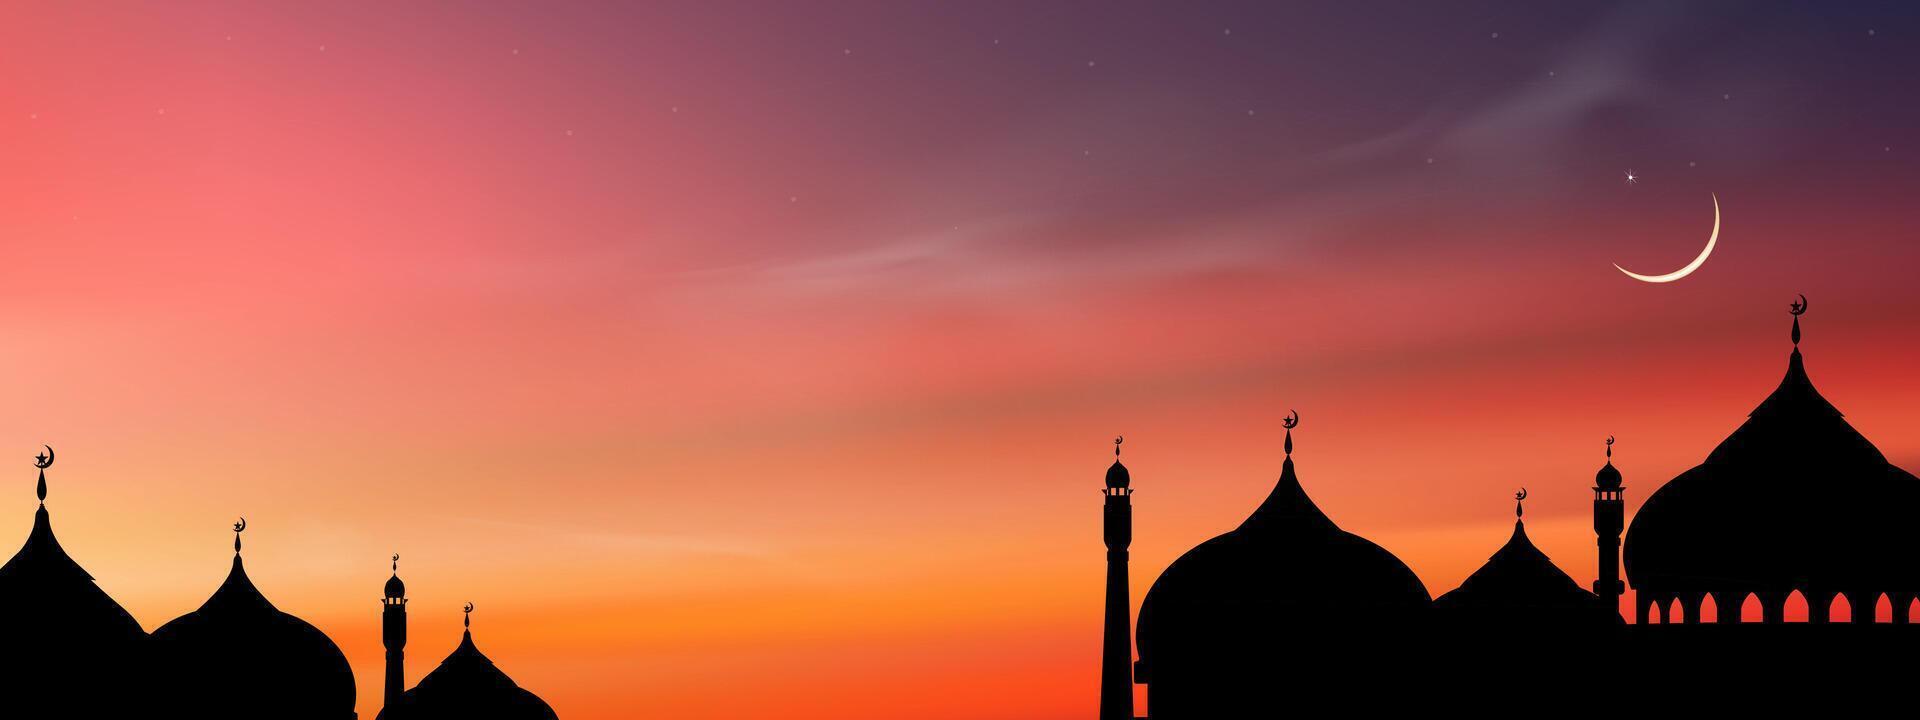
(1289,614)
(67,650)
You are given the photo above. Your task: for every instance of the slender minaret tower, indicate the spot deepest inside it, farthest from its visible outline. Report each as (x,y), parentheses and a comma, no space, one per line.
(1116,660)
(393,623)
(1609,518)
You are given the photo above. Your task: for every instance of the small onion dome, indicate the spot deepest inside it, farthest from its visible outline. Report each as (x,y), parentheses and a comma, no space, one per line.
(468,685)
(239,656)
(1608,478)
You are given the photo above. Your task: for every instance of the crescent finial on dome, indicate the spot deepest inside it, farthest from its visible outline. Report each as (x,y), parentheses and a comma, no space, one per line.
(43,461)
(467,621)
(1797,309)
(1519,498)
(238,527)
(1117,439)
(1292,421)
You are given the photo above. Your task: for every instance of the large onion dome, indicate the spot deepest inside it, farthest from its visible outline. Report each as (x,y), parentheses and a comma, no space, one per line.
(1285,587)
(1520,588)
(1796,498)
(468,685)
(239,656)
(61,637)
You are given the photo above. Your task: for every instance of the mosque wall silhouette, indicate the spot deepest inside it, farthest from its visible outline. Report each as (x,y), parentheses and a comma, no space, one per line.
(1287,614)
(67,650)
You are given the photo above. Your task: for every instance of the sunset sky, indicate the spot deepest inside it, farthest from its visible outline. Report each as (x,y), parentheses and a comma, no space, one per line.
(763,359)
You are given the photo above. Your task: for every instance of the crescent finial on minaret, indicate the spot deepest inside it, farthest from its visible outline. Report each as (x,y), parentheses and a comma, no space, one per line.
(1117,439)
(396,563)
(1609,448)
(468,620)
(238,528)
(1519,498)
(1797,309)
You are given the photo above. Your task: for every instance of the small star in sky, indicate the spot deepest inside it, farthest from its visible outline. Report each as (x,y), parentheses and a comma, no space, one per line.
(1691,163)
(1551,73)
(1632,179)
(1249,113)
(163,111)
(33,116)
(1227,31)
(569,133)
(1726,96)
(323,48)
(1870,32)
(1496,36)
(1089,63)
(516,51)
(1429,161)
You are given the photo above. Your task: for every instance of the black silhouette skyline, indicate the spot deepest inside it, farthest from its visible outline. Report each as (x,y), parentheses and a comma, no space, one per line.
(1288,611)
(72,652)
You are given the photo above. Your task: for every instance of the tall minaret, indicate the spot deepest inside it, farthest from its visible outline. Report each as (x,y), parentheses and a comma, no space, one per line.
(393,623)
(1609,518)
(1116,660)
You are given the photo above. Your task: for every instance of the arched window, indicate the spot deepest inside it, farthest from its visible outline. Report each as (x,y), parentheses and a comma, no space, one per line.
(1750,610)
(1883,609)
(1676,612)
(1796,607)
(1840,611)
(1709,610)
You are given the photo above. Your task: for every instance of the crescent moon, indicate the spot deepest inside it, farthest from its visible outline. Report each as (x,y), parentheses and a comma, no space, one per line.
(1522,495)
(469,607)
(1692,266)
(47,461)
(1292,420)
(240,526)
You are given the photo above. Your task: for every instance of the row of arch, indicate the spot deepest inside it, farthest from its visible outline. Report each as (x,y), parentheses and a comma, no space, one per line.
(1775,607)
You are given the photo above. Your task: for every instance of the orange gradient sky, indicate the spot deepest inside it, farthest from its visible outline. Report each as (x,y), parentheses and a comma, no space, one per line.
(762,359)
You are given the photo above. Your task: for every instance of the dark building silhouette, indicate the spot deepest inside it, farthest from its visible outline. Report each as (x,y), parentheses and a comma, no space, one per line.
(238,655)
(67,650)
(1116,660)
(1795,500)
(1519,587)
(1241,624)
(1609,519)
(1289,615)
(393,634)
(467,685)
(62,639)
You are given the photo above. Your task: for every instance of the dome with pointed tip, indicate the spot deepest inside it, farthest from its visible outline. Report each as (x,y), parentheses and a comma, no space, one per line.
(395,588)
(1287,578)
(1117,476)
(239,656)
(63,637)
(1796,498)
(1519,586)
(468,685)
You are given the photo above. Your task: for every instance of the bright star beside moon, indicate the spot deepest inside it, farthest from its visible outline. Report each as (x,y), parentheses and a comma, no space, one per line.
(1692,266)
